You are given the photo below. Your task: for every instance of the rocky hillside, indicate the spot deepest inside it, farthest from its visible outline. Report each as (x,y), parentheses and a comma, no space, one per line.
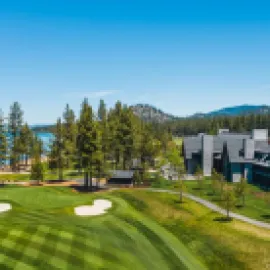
(150,113)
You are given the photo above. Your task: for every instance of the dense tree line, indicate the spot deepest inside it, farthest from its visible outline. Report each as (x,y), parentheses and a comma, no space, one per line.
(95,143)
(242,123)
(17,141)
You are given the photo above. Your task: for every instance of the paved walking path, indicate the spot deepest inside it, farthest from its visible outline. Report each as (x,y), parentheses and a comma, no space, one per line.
(216,208)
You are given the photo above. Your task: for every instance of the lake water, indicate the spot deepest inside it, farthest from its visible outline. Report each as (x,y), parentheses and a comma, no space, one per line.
(46,139)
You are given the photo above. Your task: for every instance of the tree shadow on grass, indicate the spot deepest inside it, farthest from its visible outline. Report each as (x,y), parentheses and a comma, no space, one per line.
(223,219)
(239,206)
(266,216)
(82,189)
(210,193)
(197,188)
(48,181)
(177,201)
(216,198)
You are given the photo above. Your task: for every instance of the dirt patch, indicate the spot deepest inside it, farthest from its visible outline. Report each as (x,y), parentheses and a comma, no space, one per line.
(60,184)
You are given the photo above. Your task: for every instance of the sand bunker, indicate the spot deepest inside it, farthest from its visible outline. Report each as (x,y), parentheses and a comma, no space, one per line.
(4,207)
(98,208)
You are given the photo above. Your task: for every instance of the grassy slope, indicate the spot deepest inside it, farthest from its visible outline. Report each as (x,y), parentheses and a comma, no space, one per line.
(255,206)
(234,245)
(68,174)
(41,232)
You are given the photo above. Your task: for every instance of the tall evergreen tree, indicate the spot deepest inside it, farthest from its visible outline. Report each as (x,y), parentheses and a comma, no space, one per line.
(57,157)
(104,129)
(15,125)
(102,111)
(25,142)
(126,130)
(103,156)
(88,143)
(69,136)
(37,168)
(116,139)
(3,141)
(150,146)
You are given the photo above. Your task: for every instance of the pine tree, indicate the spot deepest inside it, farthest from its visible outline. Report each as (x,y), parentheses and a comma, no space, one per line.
(137,178)
(25,142)
(105,135)
(126,129)
(3,142)
(56,157)
(149,146)
(69,136)
(89,142)
(116,133)
(37,168)
(102,111)
(15,125)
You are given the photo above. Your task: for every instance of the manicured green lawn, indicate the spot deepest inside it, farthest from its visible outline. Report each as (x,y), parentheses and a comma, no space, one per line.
(41,232)
(68,175)
(220,245)
(255,204)
(16,177)
(143,230)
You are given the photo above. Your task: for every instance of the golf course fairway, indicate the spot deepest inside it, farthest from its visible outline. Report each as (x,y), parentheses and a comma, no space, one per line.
(42,232)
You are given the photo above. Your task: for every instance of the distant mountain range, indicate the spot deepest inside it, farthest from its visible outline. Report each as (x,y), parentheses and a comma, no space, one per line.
(42,127)
(236,110)
(150,113)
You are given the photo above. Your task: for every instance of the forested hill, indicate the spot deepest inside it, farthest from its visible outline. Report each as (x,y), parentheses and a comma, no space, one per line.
(149,113)
(236,111)
(238,118)
(42,128)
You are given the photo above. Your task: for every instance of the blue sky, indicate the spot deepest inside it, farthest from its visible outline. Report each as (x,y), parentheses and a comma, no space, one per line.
(181,56)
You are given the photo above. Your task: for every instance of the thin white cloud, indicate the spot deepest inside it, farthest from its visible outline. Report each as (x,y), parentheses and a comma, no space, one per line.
(91,94)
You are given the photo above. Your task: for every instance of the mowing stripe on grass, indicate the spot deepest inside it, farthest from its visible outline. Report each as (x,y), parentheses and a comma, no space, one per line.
(168,239)
(133,238)
(5,260)
(62,250)
(14,249)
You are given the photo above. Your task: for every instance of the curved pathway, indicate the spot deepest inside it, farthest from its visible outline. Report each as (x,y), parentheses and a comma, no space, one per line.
(216,208)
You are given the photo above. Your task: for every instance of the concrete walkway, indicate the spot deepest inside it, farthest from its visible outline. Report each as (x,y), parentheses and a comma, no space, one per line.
(217,209)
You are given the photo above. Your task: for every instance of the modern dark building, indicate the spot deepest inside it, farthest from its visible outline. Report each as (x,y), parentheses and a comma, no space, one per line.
(234,155)
(121,178)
